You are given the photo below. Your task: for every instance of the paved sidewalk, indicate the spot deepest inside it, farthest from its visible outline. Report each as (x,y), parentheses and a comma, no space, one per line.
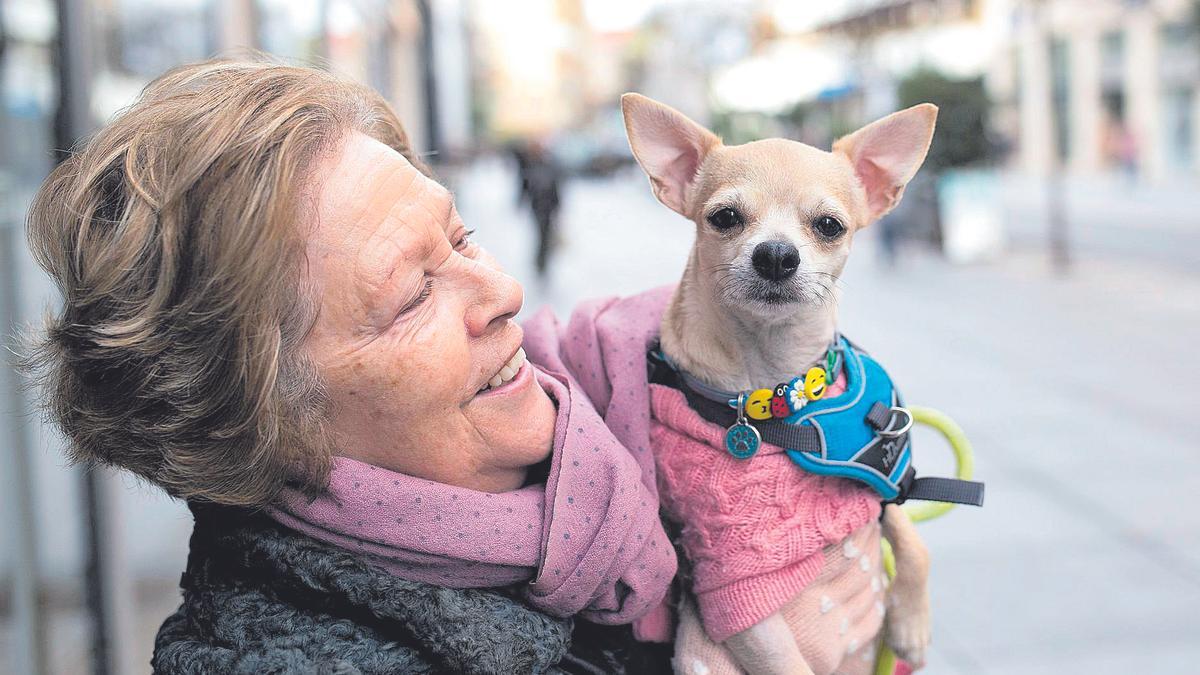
(1087,556)
(1112,216)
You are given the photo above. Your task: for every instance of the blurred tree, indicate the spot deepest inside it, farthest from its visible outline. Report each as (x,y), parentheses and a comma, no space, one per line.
(962,137)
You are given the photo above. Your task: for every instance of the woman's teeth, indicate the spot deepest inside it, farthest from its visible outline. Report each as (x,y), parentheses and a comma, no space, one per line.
(508,372)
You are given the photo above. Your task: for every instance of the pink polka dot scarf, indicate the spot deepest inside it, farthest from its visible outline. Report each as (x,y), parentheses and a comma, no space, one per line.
(588,542)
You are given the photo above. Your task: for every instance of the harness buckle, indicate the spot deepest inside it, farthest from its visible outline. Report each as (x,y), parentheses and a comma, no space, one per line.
(908,424)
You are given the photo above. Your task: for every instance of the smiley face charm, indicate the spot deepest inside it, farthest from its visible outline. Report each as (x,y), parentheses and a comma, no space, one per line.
(814,383)
(758,404)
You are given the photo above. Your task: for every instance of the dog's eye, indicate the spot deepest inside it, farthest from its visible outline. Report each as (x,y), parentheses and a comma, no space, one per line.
(829,227)
(725,218)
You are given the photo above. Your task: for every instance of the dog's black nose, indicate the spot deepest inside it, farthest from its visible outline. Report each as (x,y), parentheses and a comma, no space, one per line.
(775,260)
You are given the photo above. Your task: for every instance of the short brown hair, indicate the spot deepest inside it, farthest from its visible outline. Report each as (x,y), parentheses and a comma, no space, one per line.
(174,237)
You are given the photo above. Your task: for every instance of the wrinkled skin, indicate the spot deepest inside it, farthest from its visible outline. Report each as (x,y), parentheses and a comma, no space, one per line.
(414,319)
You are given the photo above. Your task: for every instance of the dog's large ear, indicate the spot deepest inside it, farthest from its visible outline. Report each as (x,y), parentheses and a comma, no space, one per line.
(886,154)
(669,146)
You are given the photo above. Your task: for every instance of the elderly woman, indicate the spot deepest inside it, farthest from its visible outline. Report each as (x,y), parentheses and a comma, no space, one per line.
(272,311)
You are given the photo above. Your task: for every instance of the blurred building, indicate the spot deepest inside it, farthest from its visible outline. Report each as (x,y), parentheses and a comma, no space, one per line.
(531,76)
(546,68)
(1088,86)
(684,46)
(1105,84)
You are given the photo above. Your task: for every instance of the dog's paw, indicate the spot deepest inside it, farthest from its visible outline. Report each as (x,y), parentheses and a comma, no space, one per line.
(907,627)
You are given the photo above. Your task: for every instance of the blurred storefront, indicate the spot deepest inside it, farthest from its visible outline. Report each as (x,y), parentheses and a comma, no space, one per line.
(1108,84)
(1088,86)
(533,87)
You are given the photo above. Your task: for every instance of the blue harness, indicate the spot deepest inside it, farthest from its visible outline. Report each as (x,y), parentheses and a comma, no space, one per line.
(848,428)
(861,434)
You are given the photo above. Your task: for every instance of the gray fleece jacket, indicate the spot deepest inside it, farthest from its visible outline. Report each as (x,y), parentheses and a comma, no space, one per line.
(259,598)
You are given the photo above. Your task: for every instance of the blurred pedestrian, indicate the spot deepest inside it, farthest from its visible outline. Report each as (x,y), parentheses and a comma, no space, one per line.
(890,230)
(540,178)
(1121,147)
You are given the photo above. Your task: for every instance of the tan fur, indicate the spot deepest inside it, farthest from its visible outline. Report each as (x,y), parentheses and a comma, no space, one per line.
(767,648)
(907,624)
(715,330)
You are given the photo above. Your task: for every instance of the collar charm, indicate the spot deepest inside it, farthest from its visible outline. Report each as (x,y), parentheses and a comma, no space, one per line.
(780,405)
(742,439)
(814,383)
(811,387)
(758,404)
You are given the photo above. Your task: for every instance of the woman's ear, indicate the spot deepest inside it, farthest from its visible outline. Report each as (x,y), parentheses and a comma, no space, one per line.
(886,154)
(669,146)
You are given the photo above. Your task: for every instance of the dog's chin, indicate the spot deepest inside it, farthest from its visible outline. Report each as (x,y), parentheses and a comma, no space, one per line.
(771,301)
(768,300)
(776,300)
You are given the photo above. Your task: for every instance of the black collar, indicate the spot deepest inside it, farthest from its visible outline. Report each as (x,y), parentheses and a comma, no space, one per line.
(775,431)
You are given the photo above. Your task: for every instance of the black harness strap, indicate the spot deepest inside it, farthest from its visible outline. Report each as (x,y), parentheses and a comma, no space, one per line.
(935,489)
(880,416)
(773,431)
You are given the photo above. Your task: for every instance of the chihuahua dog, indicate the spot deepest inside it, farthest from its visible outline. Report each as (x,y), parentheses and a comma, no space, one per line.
(757,303)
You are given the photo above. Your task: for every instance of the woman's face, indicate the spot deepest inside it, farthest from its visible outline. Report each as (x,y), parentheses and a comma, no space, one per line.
(415,319)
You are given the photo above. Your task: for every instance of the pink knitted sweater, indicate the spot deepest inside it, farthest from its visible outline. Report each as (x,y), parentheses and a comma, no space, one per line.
(753,529)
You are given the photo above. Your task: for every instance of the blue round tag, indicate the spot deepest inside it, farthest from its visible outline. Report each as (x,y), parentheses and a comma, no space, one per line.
(742,440)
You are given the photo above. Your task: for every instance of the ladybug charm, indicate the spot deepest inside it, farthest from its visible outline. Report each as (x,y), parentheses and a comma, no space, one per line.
(779,402)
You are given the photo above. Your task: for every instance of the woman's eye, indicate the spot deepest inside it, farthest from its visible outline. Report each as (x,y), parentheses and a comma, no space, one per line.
(464,241)
(829,227)
(725,218)
(421,297)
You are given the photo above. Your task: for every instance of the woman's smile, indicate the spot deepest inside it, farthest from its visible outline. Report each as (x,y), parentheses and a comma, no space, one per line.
(512,375)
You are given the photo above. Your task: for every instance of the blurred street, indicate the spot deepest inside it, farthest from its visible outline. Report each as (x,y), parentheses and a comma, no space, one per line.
(1086,558)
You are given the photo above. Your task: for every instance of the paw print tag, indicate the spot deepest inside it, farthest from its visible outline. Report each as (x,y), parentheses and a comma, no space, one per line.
(742,439)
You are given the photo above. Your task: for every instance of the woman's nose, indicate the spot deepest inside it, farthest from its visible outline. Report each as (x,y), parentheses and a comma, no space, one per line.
(497,298)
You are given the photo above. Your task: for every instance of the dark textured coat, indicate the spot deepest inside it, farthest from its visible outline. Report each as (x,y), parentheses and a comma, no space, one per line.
(259,598)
